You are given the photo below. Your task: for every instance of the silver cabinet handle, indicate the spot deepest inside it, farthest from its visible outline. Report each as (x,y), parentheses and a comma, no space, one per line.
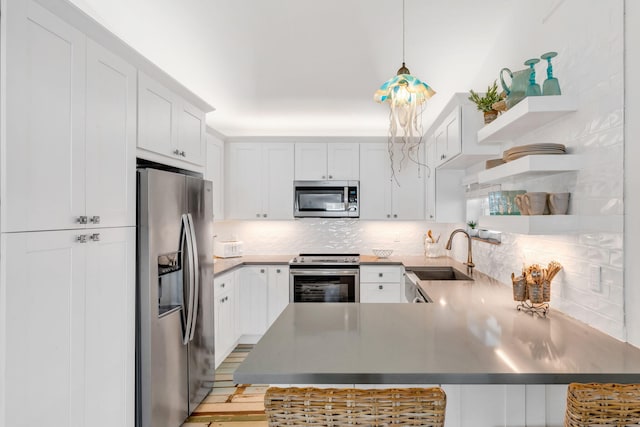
(95,219)
(379,274)
(222,285)
(330,176)
(81,238)
(278,271)
(95,237)
(257,215)
(380,286)
(395,215)
(176,152)
(183,153)
(264,215)
(262,270)
(81,219)
(388,215)
(324,177)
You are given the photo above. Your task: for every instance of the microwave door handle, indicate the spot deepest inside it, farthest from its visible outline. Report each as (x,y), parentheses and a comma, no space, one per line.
(191,279)
(196,277)
(345,198)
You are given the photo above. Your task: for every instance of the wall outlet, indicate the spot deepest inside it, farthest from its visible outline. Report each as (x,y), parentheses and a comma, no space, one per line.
(595,282)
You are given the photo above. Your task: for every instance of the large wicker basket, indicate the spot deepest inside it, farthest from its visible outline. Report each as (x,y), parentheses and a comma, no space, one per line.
(602,404)
(355,407)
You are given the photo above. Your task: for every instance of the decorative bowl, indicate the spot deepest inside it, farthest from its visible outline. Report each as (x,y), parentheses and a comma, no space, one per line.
(382,253)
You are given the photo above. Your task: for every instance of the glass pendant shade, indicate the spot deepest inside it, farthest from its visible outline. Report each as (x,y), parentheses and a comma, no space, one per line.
(404,89)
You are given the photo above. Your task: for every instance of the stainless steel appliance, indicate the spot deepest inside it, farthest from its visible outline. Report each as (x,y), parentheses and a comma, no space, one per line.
(175,361)
(324,278)
(333,199)
(412,291)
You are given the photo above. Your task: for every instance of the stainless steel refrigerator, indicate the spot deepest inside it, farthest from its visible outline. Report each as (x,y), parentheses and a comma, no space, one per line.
(175,361)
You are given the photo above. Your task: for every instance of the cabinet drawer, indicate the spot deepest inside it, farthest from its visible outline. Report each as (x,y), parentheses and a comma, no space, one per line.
(379,292)
(222,284)
(381,274)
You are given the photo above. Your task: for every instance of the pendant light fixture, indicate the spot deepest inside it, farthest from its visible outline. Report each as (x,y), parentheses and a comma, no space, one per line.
(406,96)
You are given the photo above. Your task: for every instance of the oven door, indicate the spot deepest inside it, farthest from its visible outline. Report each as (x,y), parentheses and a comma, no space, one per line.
(324,285)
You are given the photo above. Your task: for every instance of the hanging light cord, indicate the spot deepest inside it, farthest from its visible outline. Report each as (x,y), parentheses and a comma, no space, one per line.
(403,31)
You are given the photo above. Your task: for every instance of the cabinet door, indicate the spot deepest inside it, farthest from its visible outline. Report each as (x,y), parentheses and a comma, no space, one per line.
(157,122)
(214,172)
(343,161)
(454,141)
(43,155)
(277,181)
(408,189)
(243,181)
(191,142)
(224,323)
(440,142)
(278,292)
(110,139)
(253,300)
(431,181)
(109,328)
(311,161)
(43,319)
(375,184)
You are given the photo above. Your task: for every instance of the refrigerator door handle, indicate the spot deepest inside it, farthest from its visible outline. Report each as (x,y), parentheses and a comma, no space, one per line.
(196,271)
(186,227)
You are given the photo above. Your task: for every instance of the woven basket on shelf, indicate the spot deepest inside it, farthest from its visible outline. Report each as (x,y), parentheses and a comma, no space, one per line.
(602,404)
(535,291)
(358,407)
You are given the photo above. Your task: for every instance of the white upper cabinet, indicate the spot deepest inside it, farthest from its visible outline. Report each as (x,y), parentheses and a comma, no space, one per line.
(214,172)
(111,139)
(259,180)
(455,135)
(381,196)
(44,150)
(327,161)
(169,125)
(70,128)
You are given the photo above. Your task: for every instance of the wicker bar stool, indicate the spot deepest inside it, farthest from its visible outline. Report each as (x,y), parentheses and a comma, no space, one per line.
(602,405)
(312,406)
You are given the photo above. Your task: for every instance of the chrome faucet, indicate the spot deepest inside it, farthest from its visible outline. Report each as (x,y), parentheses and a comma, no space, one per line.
(469,262)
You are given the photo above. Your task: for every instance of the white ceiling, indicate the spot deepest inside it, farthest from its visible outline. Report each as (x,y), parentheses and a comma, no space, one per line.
(305,67)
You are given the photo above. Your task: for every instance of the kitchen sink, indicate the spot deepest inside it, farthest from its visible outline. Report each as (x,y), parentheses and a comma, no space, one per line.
(439,273)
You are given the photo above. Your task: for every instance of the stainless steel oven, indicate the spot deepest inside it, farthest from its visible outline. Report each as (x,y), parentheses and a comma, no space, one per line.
(322,278)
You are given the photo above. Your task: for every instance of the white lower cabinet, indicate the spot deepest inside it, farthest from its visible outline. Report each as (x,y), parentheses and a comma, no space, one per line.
(253,281)
(263,294)
(68,331)
(508,405)
(226,315)
(381,284)
(277,292)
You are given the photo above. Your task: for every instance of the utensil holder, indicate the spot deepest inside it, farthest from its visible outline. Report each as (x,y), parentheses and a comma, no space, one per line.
(433,250)
(535,291)
(519,289)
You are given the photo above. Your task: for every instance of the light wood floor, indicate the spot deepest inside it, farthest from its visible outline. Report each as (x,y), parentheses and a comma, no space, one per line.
(229,404)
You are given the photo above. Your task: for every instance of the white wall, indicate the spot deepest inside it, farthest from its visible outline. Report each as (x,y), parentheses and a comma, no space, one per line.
(588,36)
(631,171)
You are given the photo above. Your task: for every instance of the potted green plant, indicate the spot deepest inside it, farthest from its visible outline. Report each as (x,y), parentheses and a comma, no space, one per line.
(485,103)
(472,228)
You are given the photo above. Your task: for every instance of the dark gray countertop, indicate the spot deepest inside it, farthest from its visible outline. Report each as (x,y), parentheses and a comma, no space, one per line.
(471,334)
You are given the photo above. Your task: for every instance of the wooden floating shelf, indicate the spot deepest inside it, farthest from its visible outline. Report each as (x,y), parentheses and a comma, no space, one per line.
(552,224)
(528,166)
(527,115)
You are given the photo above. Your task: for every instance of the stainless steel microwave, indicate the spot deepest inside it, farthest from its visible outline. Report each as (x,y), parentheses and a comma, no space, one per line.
(326,199)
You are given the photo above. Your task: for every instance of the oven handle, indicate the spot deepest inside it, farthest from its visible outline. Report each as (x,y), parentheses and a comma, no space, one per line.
(321,272)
